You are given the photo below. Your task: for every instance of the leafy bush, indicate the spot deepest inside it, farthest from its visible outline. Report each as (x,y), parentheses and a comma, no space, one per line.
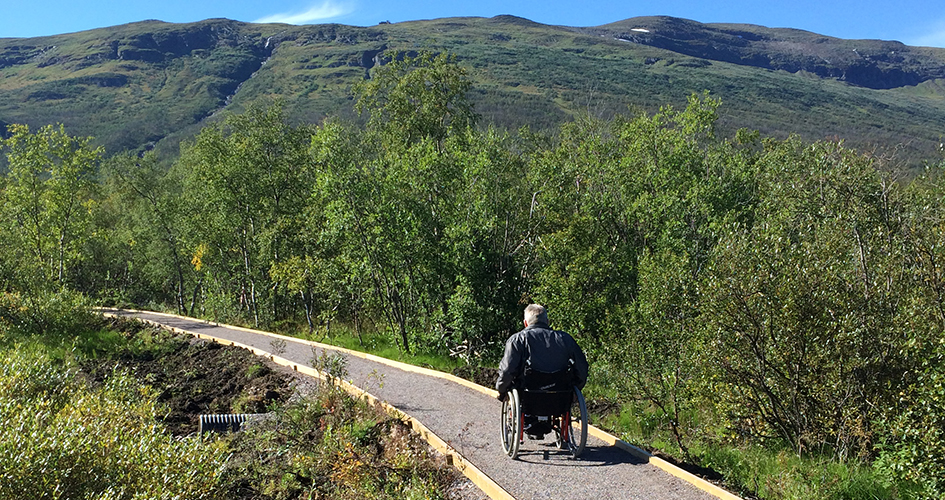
(51,315)
(329,445)
(914,448)
(913,445)
(64,439)
(802,303)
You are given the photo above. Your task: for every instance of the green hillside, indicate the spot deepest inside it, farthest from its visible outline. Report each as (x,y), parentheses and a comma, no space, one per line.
(149,84)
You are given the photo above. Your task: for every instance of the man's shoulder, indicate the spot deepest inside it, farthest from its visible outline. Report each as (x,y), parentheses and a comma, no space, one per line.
(523,334)
(516,338)
(538,331)
(565,339)
(556,332)
(564,334)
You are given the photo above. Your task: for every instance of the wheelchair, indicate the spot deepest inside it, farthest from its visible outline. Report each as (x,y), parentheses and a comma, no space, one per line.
(543,403)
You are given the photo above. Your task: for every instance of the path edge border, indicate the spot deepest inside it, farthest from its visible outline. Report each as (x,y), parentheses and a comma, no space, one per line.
(482,481)
(458,461)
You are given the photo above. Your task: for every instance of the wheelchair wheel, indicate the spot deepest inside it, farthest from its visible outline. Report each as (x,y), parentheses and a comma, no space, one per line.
(568,437)
(512,424)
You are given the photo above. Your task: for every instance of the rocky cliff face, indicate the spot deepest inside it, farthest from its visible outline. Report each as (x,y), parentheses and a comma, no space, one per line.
(873,64)
(149,41)
(129,84)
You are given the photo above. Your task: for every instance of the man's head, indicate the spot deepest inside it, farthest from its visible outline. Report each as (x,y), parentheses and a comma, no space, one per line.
(535,315)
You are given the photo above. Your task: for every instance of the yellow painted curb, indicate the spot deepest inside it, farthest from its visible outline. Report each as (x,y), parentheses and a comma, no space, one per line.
(658,462)
(389,362)
(604,436)
(453,457)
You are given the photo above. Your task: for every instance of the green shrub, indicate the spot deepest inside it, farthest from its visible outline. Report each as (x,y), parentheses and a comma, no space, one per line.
(64,439)
(914,449)
(329,445)
(49,314)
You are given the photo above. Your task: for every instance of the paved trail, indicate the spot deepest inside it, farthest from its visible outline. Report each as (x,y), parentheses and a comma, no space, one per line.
(469,421)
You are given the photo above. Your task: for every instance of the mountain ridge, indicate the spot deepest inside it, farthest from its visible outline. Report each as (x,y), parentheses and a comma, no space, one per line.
(151,83)
(875,64)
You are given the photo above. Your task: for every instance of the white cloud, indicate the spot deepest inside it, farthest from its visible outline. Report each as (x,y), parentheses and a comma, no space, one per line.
(326,10)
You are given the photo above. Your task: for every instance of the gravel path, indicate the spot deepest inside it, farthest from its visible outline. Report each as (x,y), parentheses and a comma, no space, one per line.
(469,421)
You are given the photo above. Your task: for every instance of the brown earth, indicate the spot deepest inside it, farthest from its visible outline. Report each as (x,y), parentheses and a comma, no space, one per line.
(195,376)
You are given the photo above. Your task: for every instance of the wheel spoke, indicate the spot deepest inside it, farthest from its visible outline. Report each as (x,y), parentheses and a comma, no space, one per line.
(511,424)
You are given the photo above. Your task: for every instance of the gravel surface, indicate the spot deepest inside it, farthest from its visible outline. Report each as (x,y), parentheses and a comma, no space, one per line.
(469,421)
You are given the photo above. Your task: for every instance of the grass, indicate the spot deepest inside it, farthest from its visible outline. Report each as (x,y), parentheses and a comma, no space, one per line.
(378,344)
(779,473)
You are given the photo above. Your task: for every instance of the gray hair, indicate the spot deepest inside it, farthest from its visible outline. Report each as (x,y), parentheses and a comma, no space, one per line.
(536,314)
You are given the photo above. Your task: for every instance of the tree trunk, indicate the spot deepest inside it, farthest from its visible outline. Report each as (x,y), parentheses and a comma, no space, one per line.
(193,298)
(308,312)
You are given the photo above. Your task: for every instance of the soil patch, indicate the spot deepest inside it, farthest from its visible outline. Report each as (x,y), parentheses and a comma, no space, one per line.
(196,377)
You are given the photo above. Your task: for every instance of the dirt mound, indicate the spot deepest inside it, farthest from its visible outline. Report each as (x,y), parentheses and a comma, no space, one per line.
(195,377)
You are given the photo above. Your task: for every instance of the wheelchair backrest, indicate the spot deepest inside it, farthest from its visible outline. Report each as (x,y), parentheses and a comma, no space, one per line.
(536,381)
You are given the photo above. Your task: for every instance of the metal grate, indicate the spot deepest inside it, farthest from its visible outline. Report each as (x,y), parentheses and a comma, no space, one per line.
(231,422)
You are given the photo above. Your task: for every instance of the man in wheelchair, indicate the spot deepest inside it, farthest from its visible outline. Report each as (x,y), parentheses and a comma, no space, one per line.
(540,360)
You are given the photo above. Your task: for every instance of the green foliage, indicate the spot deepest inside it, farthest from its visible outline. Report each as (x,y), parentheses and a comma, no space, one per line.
(330,363)
(245,182)
(400,205)
(62,439)
(329,444)
(912,446)
(415,98)
(47,201)
(50,317)
(802,302)
(632,216)
(143,207)
(912,449)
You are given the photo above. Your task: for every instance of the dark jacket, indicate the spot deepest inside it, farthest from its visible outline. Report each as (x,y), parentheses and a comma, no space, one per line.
(547,350)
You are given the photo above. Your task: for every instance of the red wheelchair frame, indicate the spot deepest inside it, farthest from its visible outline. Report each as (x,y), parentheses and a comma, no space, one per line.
(556,405)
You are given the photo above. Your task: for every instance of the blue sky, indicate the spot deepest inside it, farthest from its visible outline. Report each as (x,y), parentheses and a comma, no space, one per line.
(915,22)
